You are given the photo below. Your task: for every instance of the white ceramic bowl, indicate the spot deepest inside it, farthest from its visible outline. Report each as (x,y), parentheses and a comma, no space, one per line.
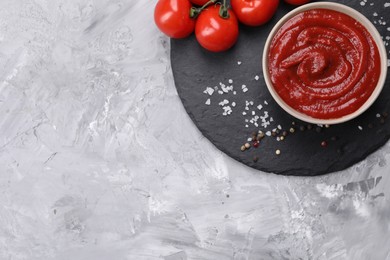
(357,16)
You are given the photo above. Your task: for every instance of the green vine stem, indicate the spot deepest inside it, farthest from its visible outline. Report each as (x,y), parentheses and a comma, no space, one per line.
(195,11)
(224,10)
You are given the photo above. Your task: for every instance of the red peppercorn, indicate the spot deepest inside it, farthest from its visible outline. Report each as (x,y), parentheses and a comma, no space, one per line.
(324,144)
(256,144)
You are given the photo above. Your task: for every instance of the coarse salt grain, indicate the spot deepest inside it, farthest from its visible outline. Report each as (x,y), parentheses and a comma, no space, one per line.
(233,104)
(209,91)
(208,102)
(239,62)
(265,124)
(360,128)
(257,77)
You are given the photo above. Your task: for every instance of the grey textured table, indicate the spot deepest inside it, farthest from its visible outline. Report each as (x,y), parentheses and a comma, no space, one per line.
(99,160)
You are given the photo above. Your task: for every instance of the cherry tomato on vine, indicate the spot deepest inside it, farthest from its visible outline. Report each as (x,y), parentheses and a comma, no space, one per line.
(172,17)
(254,12)
(199,2)
(297,2)
(216,32)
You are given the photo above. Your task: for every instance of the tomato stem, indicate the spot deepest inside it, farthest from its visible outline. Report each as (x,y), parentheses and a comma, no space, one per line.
(224,10)
(194,11)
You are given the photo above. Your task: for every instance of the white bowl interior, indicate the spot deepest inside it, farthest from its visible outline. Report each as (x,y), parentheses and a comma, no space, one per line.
(357,16)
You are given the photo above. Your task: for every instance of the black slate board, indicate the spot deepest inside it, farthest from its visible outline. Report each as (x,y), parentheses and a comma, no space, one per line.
(194,69)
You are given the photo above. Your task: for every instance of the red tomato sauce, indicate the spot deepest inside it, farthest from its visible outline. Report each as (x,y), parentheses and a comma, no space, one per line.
(324,63)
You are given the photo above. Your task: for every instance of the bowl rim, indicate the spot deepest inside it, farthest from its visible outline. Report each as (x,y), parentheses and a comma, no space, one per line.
(358,17)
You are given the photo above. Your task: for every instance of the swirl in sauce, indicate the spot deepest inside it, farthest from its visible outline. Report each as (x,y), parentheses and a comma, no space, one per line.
(324,63)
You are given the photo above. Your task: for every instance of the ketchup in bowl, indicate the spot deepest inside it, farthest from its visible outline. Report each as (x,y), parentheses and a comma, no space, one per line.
(323,63)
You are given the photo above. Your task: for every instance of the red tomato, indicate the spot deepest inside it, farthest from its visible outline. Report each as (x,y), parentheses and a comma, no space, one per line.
(254,12)
(172,17)
(297,2)
(215,33)
(199,2)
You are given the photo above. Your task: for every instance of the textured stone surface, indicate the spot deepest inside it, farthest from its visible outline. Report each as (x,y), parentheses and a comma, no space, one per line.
(99,160)
(226,119)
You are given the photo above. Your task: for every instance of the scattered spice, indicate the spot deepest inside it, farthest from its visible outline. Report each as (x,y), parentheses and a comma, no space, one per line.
(261,134)
(324,143)
(292,130)
(256,144)
(302,128)
(247,145)
(243,148)
(309,127)
(277,152)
